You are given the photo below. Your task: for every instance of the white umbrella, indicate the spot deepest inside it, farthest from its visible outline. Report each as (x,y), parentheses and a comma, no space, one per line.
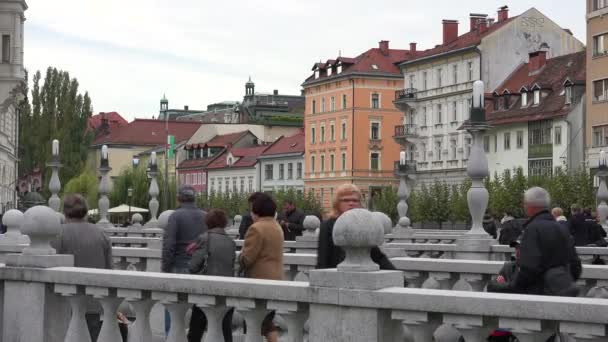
(124,208)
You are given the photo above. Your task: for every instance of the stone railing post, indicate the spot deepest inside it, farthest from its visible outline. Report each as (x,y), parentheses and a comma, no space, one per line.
(476,243)
(13,219)
(308,242)
(104,188)
(163,219)
(311,224)
(602,192)
(136,221)
(50,318)
(384,221)
(356,231)
(154,191)
(55,183)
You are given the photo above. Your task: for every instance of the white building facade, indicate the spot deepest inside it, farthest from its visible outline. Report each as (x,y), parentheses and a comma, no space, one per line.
(282,172)
(12,77)
(234,180)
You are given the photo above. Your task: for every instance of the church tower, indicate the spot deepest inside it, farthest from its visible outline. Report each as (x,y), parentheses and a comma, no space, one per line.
(164,106)
(249,88)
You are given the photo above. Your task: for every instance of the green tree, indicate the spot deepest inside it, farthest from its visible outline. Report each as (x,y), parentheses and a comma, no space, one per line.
(439,209)
(137,179)
(85,184)
(386,201)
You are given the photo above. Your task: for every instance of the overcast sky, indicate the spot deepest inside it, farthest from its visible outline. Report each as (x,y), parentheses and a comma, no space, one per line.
(128,53)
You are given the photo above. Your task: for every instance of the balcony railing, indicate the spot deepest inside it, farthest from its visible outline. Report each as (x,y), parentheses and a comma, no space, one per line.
(405,94)
(406,130)
(540,151)
(409,166)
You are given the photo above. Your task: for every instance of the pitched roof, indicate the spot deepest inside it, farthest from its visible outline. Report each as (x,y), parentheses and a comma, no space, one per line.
(372,61)
(248,157)
(143,132)
(220,140)
(195,163)
(467,40)
(284,145)
(113,118)
(551,79)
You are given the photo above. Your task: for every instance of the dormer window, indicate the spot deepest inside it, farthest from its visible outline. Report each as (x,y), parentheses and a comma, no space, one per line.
(329,70)
(536,97)
(524,99)
(316,73)
(507,98)
(339,68)
(230,161)
(568,90)
(375,66)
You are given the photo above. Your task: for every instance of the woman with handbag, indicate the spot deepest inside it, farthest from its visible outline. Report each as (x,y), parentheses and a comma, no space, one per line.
(213,253)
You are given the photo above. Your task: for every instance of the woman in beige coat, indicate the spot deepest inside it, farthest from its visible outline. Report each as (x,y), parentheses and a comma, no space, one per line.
(262,253)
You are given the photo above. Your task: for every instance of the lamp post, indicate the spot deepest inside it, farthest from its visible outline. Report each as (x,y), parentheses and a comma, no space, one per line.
(602,191)
(135,162)
(54,183)
(129,195)
(476,241)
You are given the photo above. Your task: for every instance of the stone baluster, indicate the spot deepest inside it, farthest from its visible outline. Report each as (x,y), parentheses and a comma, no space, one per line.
(295,315)
(584,331)
(414,279)
(471,327)
(215,310)
(437,281)
(177,310)
(136,220)
(154,191)
(384,221)
(470,282)
(476,243)
(109,302)
(13,219)
(78,330)
(526,330)
(602,192)
(105,187)
(55,183)
(311,224)
(421,325)
(140,331)
(254,312)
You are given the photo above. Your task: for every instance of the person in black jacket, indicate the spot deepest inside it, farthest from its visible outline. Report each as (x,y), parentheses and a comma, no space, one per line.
(348,196)
(292,220)
(548,262)
(489,225)
(246,219)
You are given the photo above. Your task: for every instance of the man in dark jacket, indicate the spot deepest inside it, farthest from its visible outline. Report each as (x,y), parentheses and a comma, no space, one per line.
(246,219)
(580,228)
(185,225)
(548,262)
(510,231)
(292,220)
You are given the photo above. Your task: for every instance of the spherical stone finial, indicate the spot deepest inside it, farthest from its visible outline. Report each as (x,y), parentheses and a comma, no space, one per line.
(404,222)
(163,219)
(384,221)
(61,218)
(137,219)
(356,231)
(311,225)
(41,224)
(12,218)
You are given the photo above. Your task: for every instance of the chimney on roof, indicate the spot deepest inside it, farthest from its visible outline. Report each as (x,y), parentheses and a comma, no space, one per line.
(450,31)
(185,107)
(383,45)
(483,26)
(475,20)
(537,60)
(275,92)
(490,21)
(412,47)
(503,13)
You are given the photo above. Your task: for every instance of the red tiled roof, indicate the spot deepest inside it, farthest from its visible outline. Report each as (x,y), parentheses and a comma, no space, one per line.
(551,79)
(148,132)
(195,163)
(114,119)
(469,39)
(248,157)
(222,140)
(365,63)
(292,144)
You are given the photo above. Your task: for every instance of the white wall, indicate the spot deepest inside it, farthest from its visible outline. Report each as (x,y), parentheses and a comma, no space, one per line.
(275,183)
(512,158)
(213,177)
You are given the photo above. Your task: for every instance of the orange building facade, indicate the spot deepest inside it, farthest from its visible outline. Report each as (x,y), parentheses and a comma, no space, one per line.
(349,123)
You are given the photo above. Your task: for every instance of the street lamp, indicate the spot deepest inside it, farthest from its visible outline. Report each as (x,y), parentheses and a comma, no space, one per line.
(129,195)
(135,162)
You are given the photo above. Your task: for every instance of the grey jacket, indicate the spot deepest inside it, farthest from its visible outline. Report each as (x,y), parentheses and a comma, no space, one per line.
(87,243)
(185,225)
(218,250)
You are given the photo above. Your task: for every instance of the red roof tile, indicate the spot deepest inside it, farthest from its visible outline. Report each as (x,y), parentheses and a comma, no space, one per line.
(195,163)
(551,79)
(225,139)
(469,39)
(292,144)
(248,157)
(148,132)
(114,120)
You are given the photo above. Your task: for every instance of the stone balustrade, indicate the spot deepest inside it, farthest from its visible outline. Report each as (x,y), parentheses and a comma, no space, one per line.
(142,242)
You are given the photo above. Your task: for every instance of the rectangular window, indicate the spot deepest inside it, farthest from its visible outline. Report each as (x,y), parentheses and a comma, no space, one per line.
(6,48)
(524,99)
(507,141)
(469,71)
(437,150)
(281,171)
(453,149)
(412,80)
(375,101)
(226,184)
(312,164)
(454,111)
(290,171)
(234,188)
(558,135)
(322,163)
(599,4)
(439,114)
(323,105)
(424,118)
(536,97)
(495,143)
(212,187)
(439,77)
(322,137)
(520,139)
(423,151)
(600,90)
(468,146)
(219,184)
(332,104)
(314,106)
(600,44)
(540,168)
(268,172)
(568,93)
(539,132)
(343,101)
(343,133)
(486,143)
(299,172)
(455,73)
(375,161)
(424,81)
(313,135)
(331,162)
(250,183)
(375,131)
(332,132)
(343,161)
(242,185)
